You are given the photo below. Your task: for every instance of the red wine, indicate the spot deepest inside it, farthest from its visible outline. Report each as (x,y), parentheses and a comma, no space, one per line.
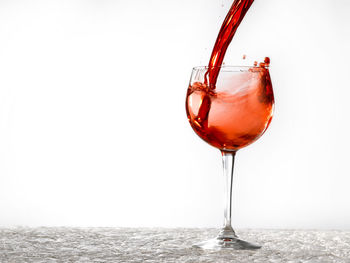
(228,29)
(240,111)
(230,121)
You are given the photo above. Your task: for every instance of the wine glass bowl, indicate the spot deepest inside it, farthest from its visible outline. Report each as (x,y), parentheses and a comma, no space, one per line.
(229,114)
(234,114)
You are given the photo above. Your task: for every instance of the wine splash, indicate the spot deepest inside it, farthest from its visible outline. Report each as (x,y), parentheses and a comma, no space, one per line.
(237,112)
(228,29)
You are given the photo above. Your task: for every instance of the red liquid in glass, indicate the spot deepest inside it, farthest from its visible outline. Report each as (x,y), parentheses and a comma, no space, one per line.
(230,119)
(236,116)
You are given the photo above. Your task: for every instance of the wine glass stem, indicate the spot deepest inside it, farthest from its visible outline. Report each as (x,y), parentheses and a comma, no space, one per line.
(228,159)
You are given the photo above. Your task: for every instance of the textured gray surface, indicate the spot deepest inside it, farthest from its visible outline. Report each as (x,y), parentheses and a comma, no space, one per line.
(167,245)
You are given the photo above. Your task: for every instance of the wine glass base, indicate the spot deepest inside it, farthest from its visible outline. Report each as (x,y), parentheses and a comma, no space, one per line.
(232,242)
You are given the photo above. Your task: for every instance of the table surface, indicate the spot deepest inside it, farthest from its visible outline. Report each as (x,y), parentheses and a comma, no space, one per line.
(52,244)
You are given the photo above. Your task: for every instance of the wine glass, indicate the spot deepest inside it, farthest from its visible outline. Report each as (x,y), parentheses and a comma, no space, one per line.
(229,115)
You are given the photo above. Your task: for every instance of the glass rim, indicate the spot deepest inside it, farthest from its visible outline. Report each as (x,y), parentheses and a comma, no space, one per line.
(227,68)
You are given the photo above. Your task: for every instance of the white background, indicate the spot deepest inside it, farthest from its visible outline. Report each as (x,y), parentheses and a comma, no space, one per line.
(93,129)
